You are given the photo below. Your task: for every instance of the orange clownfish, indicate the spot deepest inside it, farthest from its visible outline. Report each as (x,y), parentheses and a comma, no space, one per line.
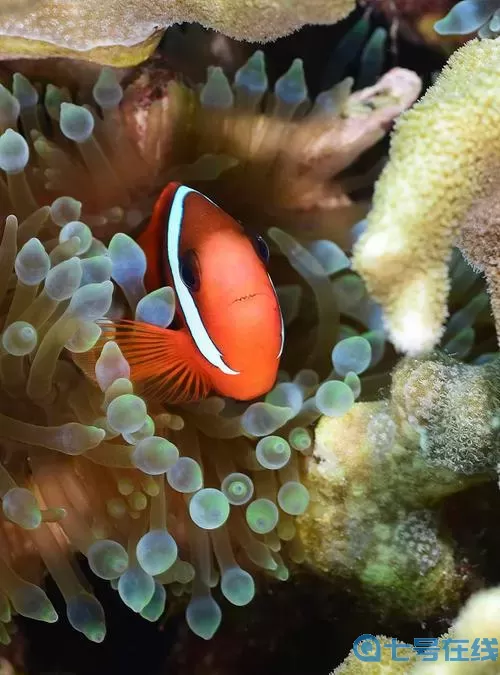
(230,335)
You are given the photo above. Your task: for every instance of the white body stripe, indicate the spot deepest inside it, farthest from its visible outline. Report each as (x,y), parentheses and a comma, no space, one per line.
(193,319)
(282,329)
(281,319)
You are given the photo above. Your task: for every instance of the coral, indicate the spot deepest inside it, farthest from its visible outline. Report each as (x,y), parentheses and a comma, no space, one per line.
(441,158)
(12,47)
(479,240)
(465,443)
(151,494)
(363,514)
(379,473)
(478,619)
(122,32)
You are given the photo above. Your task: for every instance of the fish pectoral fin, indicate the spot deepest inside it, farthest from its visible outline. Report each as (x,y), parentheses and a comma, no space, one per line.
(163,363)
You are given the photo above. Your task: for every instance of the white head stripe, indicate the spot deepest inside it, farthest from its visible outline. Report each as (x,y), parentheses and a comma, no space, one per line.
(193,319)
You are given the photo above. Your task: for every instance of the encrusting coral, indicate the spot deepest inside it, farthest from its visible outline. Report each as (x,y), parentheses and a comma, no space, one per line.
(442,156)
(379,473)
(151,495)
(126,32)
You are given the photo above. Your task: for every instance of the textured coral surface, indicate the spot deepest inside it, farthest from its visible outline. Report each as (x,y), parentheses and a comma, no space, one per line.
(82,26)
(440,161)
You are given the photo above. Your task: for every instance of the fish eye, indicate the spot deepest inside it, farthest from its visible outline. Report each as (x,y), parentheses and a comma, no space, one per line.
(261,248)
(190,270)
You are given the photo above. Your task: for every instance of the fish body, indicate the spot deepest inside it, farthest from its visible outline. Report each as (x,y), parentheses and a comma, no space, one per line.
(230,334)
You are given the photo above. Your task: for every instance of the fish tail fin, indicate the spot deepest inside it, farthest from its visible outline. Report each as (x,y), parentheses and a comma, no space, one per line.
(163,363)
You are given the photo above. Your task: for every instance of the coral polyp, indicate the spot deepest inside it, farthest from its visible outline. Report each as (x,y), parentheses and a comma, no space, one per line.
(153,495)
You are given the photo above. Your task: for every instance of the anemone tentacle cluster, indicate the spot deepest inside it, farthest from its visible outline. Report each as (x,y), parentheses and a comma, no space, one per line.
(277,155)
(152,495)
(469,16)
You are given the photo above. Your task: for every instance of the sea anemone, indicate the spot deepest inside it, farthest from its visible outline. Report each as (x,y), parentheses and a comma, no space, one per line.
(152,494)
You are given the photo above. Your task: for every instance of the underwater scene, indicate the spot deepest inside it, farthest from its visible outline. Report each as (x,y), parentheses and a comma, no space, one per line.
(249,320)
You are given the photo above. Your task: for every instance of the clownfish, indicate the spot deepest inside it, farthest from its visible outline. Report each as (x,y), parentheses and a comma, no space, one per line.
(230,332)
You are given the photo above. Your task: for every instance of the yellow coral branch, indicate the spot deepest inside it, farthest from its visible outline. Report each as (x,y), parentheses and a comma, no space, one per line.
(440,158)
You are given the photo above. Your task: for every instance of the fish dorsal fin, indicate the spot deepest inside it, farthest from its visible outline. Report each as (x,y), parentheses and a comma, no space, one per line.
(162,361)
(152,239)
